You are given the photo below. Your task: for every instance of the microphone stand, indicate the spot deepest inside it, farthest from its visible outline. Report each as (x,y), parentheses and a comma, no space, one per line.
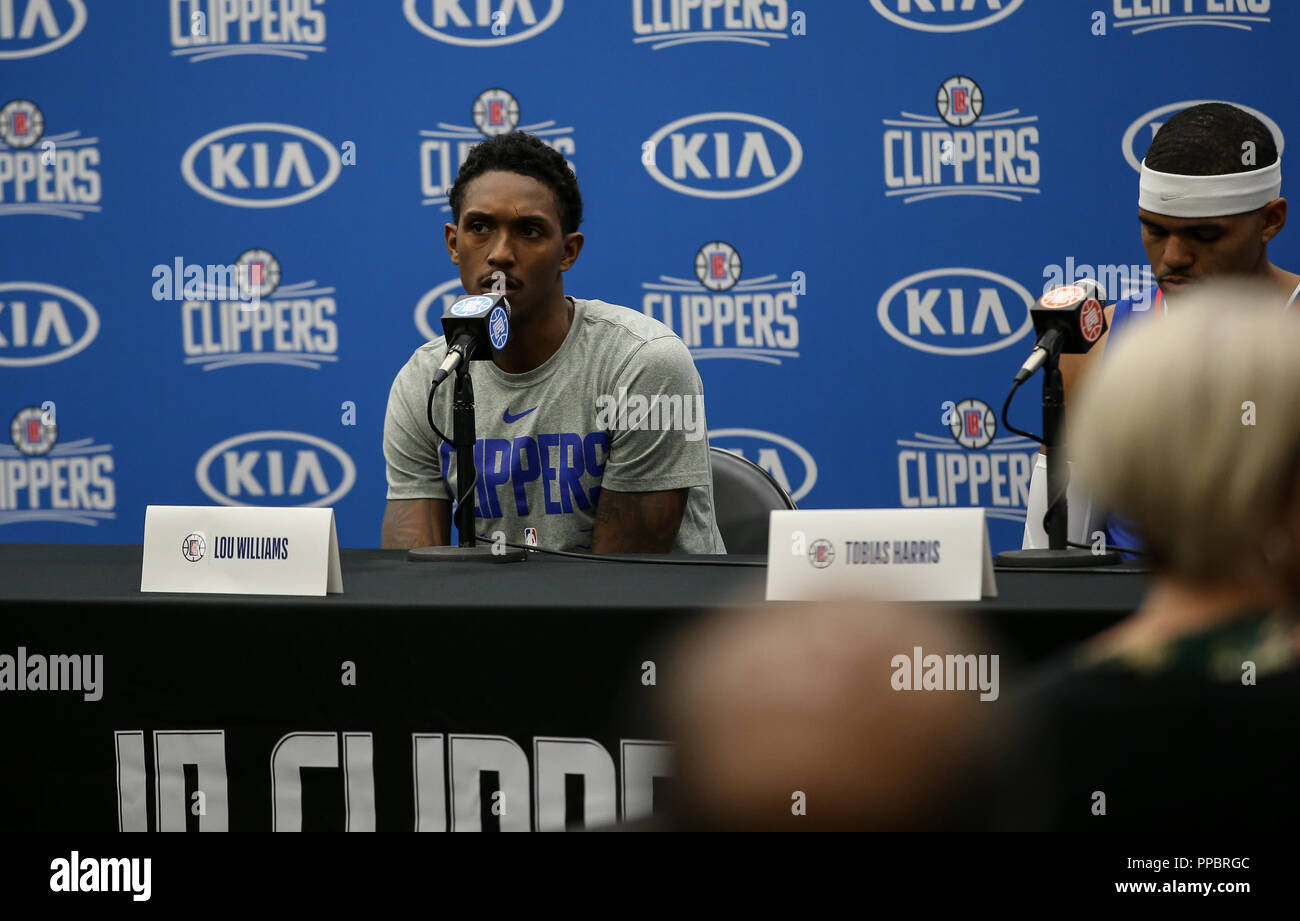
(463,437)
(1057,519)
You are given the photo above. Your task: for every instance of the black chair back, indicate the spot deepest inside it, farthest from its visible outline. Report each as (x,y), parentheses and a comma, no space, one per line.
(743,494)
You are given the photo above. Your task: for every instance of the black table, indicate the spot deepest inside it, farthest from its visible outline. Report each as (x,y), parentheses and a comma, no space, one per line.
(426,695)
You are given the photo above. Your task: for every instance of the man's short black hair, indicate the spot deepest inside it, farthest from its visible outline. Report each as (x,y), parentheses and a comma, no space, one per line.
(1208,139)
(527,155)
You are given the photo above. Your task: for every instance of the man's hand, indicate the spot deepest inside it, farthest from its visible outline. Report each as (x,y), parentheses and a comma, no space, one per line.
(637,522)
(416,523)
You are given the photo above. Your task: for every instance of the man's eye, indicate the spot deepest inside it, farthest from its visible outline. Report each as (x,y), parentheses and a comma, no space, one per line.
(477,226)
(1208,236)
(531,231)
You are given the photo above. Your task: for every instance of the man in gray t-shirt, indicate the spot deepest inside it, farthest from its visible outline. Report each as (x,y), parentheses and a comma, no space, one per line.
(590,422)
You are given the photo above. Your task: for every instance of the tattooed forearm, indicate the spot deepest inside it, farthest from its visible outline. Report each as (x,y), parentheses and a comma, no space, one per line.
(415,523)
(637,522)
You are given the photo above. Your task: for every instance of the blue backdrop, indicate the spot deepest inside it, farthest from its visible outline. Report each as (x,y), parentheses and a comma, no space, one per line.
(844,208)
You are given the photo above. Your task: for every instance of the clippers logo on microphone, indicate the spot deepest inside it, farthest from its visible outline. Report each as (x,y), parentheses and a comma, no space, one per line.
(494,111)
(962,150)
(498,327)
(1092,321)
(1063,297)
(469,306)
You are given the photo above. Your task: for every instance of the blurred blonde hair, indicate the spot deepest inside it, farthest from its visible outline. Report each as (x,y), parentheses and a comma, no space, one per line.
(1161,437)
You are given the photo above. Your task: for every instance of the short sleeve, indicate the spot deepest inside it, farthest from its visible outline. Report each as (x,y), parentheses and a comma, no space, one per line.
(413,466)
(659,439)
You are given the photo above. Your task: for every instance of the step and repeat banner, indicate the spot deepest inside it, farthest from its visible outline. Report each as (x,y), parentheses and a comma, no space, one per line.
(843,208)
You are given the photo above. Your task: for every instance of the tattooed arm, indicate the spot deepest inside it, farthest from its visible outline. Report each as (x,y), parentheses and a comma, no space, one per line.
(637,522)
(416,523)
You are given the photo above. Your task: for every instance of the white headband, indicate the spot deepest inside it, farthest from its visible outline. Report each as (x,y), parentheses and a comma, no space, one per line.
(1208,196)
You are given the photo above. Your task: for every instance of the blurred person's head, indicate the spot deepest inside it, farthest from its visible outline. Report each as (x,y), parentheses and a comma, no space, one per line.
(1191,431)
(766,704)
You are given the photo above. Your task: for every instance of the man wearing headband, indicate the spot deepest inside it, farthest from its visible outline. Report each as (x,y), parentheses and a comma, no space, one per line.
(1209,203)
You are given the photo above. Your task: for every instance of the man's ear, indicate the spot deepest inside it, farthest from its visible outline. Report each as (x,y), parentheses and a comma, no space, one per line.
(1274,219)
(449,233)
(572,247)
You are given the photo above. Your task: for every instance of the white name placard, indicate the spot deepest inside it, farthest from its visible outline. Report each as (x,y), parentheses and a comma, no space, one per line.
(891,554)
(241,550)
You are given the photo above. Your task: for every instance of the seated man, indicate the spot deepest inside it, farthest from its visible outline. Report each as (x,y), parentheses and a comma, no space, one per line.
(590,421)
(1209,204)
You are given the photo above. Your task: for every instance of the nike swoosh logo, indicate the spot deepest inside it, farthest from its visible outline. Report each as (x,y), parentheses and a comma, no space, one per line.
(506,417)
(1164,197)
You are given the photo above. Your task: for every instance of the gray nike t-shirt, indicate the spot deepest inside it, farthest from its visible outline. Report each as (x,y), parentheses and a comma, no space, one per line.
(619,405)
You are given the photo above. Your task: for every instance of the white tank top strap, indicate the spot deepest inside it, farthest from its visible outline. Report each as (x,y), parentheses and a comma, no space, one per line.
(1295,295)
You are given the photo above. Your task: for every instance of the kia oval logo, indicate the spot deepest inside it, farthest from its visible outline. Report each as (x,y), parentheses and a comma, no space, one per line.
(270,476)
(943,19)
(735,156)
(482,23)
(788,462)
(26,26)
(928,310)
(33,316)
(255,164)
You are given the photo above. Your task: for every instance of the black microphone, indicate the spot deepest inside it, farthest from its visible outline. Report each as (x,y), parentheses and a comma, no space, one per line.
(1069,319)
(468,325)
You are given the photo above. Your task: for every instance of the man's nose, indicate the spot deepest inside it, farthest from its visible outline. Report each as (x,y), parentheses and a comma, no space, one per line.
(501,253)
(1178,254)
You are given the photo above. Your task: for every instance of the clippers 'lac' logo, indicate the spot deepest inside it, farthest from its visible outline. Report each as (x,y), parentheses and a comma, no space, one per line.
(1154,15)
(722,155)
(41,324)
(42,480)
(788,462)
(1142,131)
(206,29)
(968,466)
(193,547)
(43,173)
(956,311)
(667,23)
(946,15)
(494,111)
(962,150)
(719,316)
(482,23)
(260,165)
(34,27)
(256,320)
(821,553)
(288,469)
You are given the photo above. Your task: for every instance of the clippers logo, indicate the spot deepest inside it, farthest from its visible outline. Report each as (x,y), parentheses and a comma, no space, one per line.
(33,27)
(193,547)
(41,480)
(821,553)
(956,311)
(498,327)
(287,469)
(967,467)
(482,23)
(294,328)
(667,23)
(1092,321)
(1143,129)
(41,324)
(961,151)
(946,15)
(972,424)
(1063,297)
(722,155)
(468,306)
(206,29)
(719,316)
(1154,15)
(60,177)
(788,462)
(495,111)
(260,165)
